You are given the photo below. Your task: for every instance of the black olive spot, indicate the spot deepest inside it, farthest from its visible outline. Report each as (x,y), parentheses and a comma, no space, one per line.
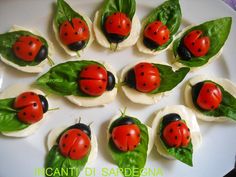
(164,38)
(171,130)
(32,93)
(208,90)
(156,23)
(176,137)
(98,67)
(128,25)
(86,69)
(138,135)
(35,104)
(79,134)
(198,32)
(18,48)
(115,13)
(144,84)
(80,21)
(193,43)
(30,43)
(199,50)
(153,66)
(24,113)
(65,34)
(135,146)
(65,25)
(100,87)
(74,150)
(86,88)
(212,107)
(142,73)
(188,137)
(141,66)
(64,145)
(66,135)
(30,54)
(76,33)
(37,40)
(119,26)
(85,146)
(155,33)
(179,125)
(155,84)
(128,134)
(149,28)
(23,97)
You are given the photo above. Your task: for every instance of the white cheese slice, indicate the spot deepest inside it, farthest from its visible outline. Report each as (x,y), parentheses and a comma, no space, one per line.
(54,134)
(225,83)
(179,65)
(136,96)
(185,114)
(131,39)
(91,38)
(14,91)
(150,133)
(29,69)
(142,48)
(105,98)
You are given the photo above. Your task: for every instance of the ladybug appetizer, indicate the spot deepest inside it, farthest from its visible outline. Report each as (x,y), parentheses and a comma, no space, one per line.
(157,32)
(73,30)
(24,50)
(86,83)
(94,80)
(196,46)
(146,82)
(129,139)
(211,98)
(177,134)
(75,146)
(117,29)
(193,45)
(23,110)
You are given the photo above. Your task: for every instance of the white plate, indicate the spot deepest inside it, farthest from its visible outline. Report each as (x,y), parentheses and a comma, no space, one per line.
(20,157)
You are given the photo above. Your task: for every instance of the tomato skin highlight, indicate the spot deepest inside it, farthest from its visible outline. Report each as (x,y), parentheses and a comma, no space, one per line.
(156,32)
(74,34)
(29,106)
(75,144)
(147,77)
(209,97)
(126,137)
(29,48)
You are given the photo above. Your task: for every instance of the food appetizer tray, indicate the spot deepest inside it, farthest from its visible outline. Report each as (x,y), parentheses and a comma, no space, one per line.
(26,156)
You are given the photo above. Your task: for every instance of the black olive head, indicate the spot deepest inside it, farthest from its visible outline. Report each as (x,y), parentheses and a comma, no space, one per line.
(42,54)
(124,121)
(183,52)
(77,45)
(170,118)
(111,81)
(83,127)
(130,79)
(44,103)
(152,45)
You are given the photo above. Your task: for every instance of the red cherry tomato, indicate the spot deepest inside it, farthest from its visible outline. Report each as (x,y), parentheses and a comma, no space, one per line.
(74,143)
(210,96)
(118,23)
(197,44)
(126,137)
(147,77)
(27,47)
(157,32)
(74,31)
(29,106)
(93,80)
(176,134)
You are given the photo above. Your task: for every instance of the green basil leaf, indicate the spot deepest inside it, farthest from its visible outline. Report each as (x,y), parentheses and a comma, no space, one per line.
(169,13)
(58,163)
(65,13)
(169,78)
(111,6)
(8,117)
(62,78)
(131,159)
(8,39)
(217,30)
(183,154)
(227,107)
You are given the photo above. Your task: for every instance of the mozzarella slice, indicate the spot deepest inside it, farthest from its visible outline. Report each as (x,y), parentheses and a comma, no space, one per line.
(179,65)
(136,96)
(14,91)
(185,114)
(105,98)
(91,38)
(131,39)
(29,69)
(150,133)
(144,49)
(54,134)
(225,83)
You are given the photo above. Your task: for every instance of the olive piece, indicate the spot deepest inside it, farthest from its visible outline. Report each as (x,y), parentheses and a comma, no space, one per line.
(170,118)
(114,38)
(44,103)
(77,45)
(111,81)
(123,121)
(195,91)
(130,79)
(150,43)
(83,127)
(42,54)
(183,52)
